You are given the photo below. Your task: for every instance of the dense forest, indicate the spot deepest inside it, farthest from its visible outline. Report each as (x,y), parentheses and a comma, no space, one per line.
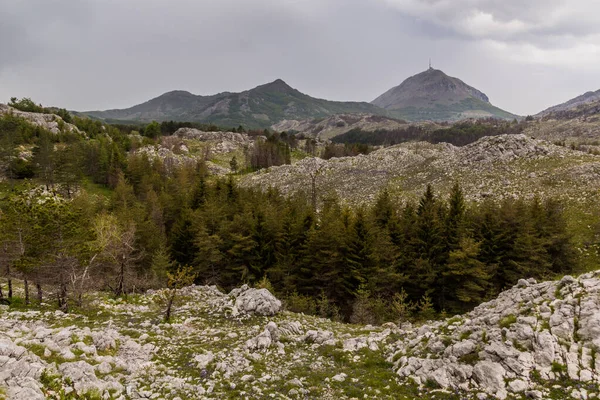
(459,134)
(87,214)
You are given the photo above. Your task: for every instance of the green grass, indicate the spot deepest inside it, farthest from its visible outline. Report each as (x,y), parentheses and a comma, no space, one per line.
(559,368)
(96,189)
(507,321)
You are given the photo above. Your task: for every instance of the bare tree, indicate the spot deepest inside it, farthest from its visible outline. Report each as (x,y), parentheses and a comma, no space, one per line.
(117,250)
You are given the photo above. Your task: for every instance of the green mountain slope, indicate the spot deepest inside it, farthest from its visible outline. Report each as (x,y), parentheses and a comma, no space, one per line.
(260,107)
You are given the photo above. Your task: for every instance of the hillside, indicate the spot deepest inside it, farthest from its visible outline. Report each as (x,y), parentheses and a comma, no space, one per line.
(575,123)
(573,104)
(433,95)
(501,166)
(336,125)
(50,122)
(260,107)
(536,340)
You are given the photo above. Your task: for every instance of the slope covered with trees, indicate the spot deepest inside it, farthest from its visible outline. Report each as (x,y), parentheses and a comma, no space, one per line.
(86,214)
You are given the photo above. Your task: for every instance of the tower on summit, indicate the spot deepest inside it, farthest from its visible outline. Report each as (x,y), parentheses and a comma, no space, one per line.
(430,64)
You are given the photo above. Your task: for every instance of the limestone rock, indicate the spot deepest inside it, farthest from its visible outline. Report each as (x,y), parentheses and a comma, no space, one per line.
(255,301)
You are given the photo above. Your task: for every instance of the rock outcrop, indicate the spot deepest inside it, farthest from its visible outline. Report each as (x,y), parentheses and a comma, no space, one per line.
(50,122)
(530,335)
(258,301)
(189,146)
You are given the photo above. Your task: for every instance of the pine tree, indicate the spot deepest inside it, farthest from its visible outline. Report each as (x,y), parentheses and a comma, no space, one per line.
(428,246)
(466,277)
(383,210)
(209,257)
(182,240)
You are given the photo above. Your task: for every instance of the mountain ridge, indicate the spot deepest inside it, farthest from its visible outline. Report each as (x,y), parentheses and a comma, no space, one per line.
(576,102)
(259,107)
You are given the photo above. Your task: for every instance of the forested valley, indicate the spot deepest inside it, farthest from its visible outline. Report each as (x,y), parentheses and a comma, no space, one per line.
(87,213)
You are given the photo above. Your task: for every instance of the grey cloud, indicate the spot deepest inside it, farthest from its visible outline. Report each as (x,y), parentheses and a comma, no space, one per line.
(98,54)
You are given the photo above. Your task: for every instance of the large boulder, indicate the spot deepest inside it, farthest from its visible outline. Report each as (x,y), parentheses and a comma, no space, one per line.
(490,376)
(255,301)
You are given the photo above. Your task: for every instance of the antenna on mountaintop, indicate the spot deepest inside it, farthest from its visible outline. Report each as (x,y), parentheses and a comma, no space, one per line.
(430,64)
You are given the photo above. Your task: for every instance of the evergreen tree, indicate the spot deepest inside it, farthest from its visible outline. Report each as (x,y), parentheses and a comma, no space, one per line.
(182,240)
(465,277)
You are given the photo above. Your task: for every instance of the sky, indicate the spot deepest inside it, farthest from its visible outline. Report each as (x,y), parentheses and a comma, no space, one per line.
(526,55)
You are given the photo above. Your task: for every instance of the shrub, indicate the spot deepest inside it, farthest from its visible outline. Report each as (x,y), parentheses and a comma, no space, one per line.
(507,321)
(300,304)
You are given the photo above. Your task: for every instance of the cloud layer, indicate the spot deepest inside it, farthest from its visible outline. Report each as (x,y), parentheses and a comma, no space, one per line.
(97,54)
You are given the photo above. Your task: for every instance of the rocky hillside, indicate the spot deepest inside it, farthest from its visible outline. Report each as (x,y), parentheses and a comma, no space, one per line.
(260,107)
(573,104)
(501,166)
(330,127)
(51,122)
(189,145)
(433,95)
(577,125)
(536,340)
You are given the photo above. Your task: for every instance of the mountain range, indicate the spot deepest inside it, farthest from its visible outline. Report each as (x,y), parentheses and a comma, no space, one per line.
(430,95)
(256,108)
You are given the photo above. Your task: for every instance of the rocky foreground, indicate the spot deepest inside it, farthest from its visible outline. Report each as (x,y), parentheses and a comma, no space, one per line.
(536,340)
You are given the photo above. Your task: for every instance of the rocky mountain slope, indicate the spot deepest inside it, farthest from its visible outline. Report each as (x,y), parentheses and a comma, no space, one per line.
(582,100)
(335,125)
(260,107)
(433,95)
(536,340)
(501,166)
(51,122)
(577,124)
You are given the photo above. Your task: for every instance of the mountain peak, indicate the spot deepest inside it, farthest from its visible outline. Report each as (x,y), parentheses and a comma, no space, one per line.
(434,95)
(278,85)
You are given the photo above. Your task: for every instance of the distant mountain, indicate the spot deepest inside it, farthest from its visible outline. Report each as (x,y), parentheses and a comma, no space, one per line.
(579,102)
(575,123)
(433,95)
(260,107)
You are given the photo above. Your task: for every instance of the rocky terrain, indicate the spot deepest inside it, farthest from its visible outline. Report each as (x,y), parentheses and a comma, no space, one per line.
(573,104)
(260,107)
(536,340)
(336,125)
(188,145)
(51,122)
(513,346)
(433,95)
(500,167)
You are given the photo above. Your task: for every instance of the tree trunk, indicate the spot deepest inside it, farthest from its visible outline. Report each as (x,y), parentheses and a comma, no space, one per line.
(62,298)
(170,305)
(39,292)
(26,282)
(1,293)
(120,286)
(10,291)
(314,192)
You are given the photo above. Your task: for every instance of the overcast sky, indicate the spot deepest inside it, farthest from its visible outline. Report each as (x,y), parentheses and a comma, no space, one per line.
(526,55)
